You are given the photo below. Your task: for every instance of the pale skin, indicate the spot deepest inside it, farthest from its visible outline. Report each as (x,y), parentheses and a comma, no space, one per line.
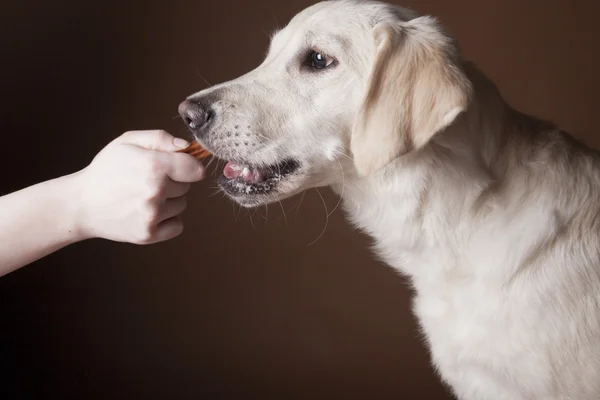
(133,191)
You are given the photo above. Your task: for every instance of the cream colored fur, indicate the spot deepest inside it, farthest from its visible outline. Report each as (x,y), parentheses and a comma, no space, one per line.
(493,215)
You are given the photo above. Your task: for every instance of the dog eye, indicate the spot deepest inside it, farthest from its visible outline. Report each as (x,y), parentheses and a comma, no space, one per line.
(320,60)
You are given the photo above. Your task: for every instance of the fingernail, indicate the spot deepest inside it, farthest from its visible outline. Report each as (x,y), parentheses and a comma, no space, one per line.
(181,143)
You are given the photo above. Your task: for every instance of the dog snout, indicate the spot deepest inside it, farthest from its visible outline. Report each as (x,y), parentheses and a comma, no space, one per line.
(197,116)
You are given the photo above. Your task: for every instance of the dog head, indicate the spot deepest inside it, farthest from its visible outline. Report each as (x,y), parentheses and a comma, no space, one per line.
(346,87)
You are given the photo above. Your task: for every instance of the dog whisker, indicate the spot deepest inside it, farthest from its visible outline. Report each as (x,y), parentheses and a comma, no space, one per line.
(283,211)
(239,211)
(251,221)
(216,192)
(276,21)
(203,78)
(299,204)
(343,187)
(326,218)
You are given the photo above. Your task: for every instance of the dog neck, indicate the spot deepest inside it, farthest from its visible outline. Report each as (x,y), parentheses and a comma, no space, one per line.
(412,206)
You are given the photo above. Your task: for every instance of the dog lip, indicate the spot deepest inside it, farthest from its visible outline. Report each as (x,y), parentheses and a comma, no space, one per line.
(238,185)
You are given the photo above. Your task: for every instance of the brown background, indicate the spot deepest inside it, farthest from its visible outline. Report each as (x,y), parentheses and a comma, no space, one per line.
(237,307)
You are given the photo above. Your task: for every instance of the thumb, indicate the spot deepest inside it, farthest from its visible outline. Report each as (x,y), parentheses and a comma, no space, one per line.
(157,140)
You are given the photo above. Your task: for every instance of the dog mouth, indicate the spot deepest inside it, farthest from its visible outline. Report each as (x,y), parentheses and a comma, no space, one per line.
(239,179)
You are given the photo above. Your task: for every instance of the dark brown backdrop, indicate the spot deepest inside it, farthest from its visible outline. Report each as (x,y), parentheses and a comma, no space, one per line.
(237,307)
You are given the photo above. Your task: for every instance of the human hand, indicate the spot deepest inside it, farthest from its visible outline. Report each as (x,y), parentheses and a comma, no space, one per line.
(134,189)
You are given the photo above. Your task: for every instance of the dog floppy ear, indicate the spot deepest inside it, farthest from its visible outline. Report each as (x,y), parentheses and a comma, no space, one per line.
(416,88)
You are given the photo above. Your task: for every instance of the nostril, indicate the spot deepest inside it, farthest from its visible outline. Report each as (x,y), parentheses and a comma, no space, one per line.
(194,119)
(195,115)
(188,121)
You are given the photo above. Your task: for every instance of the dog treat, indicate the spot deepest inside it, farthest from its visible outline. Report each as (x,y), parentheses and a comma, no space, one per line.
(196,151)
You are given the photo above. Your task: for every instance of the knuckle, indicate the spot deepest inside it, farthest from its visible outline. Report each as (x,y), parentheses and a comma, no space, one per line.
(127,134)
(152,168)
(157,190)
(192,171)
(145,236)
(149,227)
(153,191)
(161,135)
(155,166)
(150,216)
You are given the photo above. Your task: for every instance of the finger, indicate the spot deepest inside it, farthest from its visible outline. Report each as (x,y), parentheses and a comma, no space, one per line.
(181,167)
(174,189)
(165,230)
(171,208)
(168,229)
(156,139)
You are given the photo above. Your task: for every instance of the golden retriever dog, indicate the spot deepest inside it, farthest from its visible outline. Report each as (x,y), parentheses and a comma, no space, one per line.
(492,214)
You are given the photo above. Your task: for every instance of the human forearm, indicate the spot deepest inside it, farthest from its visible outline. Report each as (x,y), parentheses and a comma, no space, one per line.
(37,221)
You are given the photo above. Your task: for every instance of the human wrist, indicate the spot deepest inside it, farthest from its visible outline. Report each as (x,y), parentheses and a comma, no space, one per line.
(71,208)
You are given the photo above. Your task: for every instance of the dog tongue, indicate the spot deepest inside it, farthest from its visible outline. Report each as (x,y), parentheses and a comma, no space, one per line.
(232,170)
(249,175)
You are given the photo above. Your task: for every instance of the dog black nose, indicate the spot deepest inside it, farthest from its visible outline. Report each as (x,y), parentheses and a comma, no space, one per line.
(195,115)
